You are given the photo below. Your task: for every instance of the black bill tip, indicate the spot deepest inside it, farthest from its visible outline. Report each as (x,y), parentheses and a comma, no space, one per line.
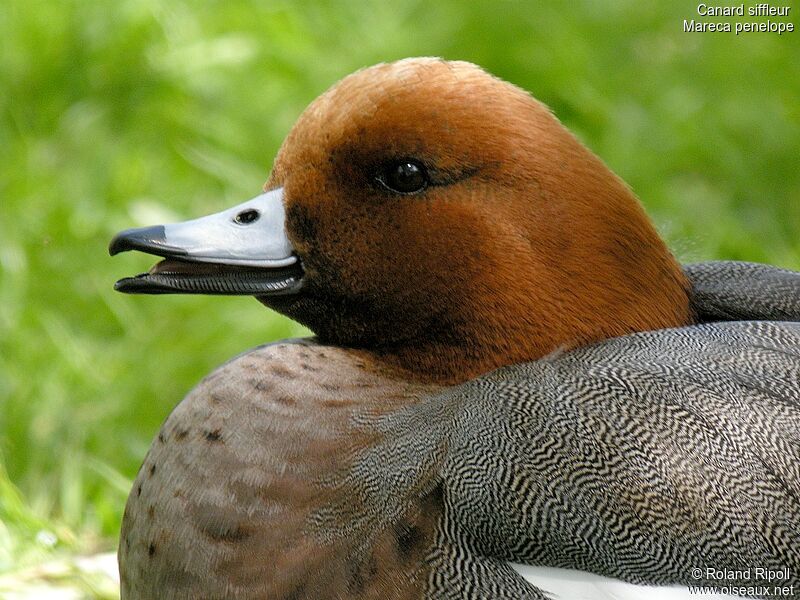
(138,285)
(151,240)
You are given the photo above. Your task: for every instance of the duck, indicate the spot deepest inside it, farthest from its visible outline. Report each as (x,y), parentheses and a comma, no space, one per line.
(514,390)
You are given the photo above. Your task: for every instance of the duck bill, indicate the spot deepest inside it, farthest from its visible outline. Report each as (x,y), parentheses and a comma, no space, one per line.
(241,251)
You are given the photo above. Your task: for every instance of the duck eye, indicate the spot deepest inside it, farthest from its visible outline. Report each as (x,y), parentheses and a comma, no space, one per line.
(405,177)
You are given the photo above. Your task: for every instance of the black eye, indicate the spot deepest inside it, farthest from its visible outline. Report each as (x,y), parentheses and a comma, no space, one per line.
(405,177)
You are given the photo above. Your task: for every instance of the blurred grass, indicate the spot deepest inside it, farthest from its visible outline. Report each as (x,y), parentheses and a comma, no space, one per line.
(115,114)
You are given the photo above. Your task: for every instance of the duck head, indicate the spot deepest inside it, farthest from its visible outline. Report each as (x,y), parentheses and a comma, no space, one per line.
(437,217)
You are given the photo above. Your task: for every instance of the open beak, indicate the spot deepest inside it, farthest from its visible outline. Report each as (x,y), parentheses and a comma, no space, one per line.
(240,251)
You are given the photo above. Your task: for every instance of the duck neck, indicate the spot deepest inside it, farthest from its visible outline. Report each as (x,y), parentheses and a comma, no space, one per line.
(567,306)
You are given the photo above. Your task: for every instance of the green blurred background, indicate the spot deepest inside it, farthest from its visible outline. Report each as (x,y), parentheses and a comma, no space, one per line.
(125,113)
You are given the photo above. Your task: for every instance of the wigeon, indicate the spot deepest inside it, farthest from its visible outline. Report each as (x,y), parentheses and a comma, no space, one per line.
(514,391)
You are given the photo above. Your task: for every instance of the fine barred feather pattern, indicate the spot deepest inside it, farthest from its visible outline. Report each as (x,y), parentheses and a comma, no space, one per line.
(640,457)
(742,291)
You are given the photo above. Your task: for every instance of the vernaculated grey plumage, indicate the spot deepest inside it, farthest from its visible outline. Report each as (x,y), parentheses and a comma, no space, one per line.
(640,457)
(742,291)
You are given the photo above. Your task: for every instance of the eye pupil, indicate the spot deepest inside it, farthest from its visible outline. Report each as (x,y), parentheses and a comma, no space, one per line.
(406,177)
(247,216)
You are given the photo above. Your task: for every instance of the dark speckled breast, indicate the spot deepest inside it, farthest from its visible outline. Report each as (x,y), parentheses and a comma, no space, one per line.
(247,493)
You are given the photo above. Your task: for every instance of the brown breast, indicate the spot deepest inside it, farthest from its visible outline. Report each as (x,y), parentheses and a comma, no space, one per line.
(248,491)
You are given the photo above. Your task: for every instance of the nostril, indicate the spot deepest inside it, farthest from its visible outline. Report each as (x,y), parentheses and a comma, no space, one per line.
(246,217)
